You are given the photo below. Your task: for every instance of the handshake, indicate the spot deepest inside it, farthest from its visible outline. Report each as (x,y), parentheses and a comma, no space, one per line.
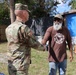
(42,47)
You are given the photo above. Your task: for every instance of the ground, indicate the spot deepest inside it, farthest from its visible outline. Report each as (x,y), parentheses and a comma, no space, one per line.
(39,64)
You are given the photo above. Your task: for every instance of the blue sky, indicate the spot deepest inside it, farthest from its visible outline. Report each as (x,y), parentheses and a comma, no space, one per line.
(63,7)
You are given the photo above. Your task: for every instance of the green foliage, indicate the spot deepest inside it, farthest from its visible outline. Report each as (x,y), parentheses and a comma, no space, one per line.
(34,6)
(37,8)
(4,13)
(20,1)
(39,12)
(73,3)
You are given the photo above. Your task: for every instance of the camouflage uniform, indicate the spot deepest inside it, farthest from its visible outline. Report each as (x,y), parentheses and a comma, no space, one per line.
(20,41)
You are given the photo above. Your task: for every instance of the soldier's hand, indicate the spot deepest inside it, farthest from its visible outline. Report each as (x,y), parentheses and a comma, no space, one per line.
(44,48)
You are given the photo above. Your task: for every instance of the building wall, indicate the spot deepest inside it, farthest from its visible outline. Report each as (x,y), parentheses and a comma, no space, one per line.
(71,23)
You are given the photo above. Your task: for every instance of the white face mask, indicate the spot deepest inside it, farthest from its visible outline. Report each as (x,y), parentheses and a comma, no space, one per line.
(57,26)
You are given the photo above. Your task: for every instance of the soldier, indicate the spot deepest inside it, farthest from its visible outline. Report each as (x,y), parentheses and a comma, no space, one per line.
(20,41)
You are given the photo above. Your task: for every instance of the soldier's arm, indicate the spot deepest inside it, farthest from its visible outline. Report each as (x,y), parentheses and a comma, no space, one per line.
(32,40)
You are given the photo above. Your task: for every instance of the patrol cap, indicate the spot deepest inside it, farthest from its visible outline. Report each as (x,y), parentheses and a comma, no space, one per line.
(58,16)
(20,6)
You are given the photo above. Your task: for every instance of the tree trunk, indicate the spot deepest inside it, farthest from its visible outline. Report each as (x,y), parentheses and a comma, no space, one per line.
(12,15)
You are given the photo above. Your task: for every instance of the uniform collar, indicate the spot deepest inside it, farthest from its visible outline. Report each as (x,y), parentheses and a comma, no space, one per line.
(20,21)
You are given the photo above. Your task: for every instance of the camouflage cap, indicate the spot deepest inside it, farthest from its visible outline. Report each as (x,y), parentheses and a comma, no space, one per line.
(59,16)
(20,6)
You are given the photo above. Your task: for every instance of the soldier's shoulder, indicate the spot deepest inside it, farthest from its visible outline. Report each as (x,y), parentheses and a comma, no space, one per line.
(8,26)
(11,25)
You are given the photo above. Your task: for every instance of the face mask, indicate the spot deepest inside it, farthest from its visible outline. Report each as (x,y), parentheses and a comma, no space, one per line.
(57,26)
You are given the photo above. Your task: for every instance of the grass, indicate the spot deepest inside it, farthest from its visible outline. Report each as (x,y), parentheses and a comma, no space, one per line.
(39,64)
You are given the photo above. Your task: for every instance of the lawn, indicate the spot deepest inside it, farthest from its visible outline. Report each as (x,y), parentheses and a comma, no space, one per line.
(39,64)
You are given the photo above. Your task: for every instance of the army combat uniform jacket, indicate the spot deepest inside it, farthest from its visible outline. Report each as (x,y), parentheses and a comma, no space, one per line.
(20,41)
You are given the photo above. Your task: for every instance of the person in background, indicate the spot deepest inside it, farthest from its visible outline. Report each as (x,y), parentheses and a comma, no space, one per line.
(57,35)
(20,41)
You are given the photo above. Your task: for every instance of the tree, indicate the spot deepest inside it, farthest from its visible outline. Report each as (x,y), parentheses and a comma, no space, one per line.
(38,8)
(73,3)
(4,13)
(12,15)
(45,7)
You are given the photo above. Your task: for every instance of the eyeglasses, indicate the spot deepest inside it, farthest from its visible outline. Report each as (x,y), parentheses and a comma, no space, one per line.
(57,19)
